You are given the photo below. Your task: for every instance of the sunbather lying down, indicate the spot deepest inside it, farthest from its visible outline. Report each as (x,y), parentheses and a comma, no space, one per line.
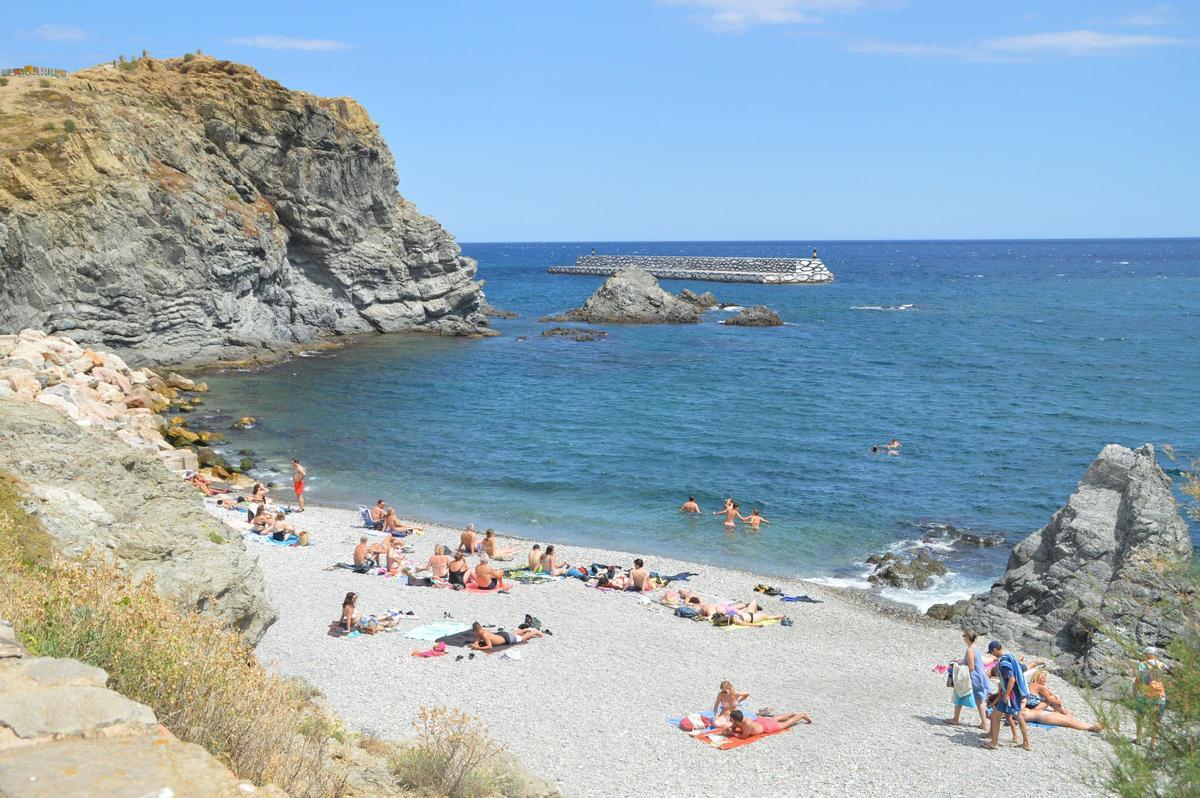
(741,726)
(485,640)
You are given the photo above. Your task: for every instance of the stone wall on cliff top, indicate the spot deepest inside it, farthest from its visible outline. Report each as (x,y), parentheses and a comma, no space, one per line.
(90,489)
(1109,564)
(63,732)
(199,211)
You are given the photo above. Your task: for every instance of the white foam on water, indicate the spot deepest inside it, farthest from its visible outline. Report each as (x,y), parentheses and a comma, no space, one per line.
(883,307)
(731,308)
(837,581)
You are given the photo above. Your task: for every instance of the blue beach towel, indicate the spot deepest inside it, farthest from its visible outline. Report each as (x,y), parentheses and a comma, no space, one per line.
(1020,688)
(707,716)
(291,540)
(430,632)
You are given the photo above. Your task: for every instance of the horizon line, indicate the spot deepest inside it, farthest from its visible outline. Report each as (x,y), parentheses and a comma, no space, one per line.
(833,240)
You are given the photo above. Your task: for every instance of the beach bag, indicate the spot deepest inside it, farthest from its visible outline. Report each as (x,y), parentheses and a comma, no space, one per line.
(960,677)
(686,612)
(694,722)
(420,581)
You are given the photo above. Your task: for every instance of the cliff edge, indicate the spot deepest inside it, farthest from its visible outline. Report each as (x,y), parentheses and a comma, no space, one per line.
(188,211)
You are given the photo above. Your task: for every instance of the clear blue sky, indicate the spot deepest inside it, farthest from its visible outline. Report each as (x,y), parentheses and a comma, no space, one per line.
(726,119)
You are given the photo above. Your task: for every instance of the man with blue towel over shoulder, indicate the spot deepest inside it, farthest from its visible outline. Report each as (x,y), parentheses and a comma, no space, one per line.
(1007,701)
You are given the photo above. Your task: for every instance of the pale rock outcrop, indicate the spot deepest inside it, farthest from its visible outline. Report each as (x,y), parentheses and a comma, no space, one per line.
(63,732)
(91,489)
(1108,564)
(196,210)
(632,296)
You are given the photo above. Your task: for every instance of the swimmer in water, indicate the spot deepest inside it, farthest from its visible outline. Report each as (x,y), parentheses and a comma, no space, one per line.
(894,444)
(875,449)
(754,519)
(730,512)
(690,506)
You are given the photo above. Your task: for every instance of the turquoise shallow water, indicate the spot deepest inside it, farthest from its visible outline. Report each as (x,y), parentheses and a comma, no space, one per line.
(1010,366)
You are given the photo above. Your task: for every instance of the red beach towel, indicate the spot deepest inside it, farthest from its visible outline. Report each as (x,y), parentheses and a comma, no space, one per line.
(717,740)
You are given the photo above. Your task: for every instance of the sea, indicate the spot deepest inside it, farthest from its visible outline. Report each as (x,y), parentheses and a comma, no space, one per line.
(1002,367)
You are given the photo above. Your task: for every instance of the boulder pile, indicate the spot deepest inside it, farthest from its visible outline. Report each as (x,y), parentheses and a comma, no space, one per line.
(95,388)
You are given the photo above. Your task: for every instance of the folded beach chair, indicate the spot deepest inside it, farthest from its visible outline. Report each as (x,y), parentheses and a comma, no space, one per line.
(365,514)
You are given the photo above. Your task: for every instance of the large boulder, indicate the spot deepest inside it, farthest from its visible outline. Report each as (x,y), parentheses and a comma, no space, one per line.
(92,490)
(632,296)
(1107,566)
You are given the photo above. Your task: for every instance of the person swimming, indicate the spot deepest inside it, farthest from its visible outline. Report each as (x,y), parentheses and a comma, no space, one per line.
(755,519)
(690,506)
(730,512)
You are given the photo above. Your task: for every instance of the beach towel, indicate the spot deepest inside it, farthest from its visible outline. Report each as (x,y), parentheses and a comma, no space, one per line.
(748,626)
(458,639)
(1020,687)
(962,681)
(682,576)
(723,743)
(291,540)
(473,588)
(807,599)
(438,650)
(431,632)
(706,716)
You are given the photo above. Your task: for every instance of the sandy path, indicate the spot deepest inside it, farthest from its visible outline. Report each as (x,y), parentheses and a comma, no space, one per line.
(586,708)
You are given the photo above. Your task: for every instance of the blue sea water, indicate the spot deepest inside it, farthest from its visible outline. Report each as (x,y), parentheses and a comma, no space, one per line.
(1003,367)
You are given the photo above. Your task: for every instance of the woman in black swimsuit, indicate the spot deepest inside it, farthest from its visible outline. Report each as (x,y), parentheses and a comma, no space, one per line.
(458,571)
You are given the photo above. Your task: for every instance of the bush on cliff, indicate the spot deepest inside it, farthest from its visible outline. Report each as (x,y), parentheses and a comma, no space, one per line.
(1171,766)
(202,681)
(454,756)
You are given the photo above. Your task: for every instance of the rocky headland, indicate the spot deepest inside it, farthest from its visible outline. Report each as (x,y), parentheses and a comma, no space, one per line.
(633,296)
(189,211)
(1107,573)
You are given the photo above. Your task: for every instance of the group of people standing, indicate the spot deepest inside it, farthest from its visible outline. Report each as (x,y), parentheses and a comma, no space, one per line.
(732,513)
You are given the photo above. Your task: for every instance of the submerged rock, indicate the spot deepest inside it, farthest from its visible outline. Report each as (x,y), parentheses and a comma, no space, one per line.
(1109,564)
(755,316)
(632,296)
(576,333)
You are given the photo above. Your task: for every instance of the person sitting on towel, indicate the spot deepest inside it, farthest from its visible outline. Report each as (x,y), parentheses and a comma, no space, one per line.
(741,726)
(550,564)
(535,558)
(395,557)
(495,552)
(727,701)
(485,640)
(468,541)
(377,513)
(487,577)
(280,528)
(438,564)
(261,520)
(363,553)
(457,571)
(641,577)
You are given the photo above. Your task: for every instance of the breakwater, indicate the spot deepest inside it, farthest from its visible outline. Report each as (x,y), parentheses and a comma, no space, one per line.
(727,270)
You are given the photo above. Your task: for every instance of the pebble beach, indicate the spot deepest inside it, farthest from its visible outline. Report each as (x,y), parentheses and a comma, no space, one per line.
(587,707)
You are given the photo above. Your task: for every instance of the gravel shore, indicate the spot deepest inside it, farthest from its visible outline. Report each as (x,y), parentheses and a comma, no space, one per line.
(587,707)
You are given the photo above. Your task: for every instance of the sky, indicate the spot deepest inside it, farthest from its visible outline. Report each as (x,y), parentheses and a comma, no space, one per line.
(628,120)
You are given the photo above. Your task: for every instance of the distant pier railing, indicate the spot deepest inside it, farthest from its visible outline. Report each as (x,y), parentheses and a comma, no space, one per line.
(685,267)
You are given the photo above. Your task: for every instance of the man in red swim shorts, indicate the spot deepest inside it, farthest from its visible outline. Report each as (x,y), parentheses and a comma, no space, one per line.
(299,472)
(741,726)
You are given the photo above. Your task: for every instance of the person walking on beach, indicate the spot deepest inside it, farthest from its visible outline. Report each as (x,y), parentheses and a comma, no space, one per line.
(973,661)
(690,506)
(1009,699)
(299,472)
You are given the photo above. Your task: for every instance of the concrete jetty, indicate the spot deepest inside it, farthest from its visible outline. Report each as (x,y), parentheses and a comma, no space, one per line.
(783,271)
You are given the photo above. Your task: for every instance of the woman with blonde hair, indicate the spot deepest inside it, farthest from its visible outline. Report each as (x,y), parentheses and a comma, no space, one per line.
(727,701)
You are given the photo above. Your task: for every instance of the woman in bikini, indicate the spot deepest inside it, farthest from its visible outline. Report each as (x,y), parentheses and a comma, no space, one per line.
(1043,706)
(439,563)
(754,519)
(730,512)
(391,523)
(495,552)
(727,701)
(550,563)
(456,571)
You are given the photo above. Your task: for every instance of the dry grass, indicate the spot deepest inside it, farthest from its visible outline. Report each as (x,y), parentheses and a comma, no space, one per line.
(454,756)
(202,681)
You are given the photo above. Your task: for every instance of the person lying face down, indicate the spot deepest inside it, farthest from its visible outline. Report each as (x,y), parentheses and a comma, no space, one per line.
(486,639)
(741,726)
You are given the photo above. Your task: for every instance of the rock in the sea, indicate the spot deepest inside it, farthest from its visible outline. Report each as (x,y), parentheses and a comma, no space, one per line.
(90,489)
(632,296)
(893,571)
(576,333)
(203,211)
(755,316)
(703,301)
(1108,564)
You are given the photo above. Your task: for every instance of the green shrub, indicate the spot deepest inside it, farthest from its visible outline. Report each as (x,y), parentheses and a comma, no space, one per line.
(48,126)
(189,56)
(44,82)
(127,65)
(202,681)
(215,538)
(69,125)
(454,757)
(3,81)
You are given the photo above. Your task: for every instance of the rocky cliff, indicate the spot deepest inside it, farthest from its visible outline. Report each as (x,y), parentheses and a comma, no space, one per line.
(188,211)
(90,489)
(1107,566)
